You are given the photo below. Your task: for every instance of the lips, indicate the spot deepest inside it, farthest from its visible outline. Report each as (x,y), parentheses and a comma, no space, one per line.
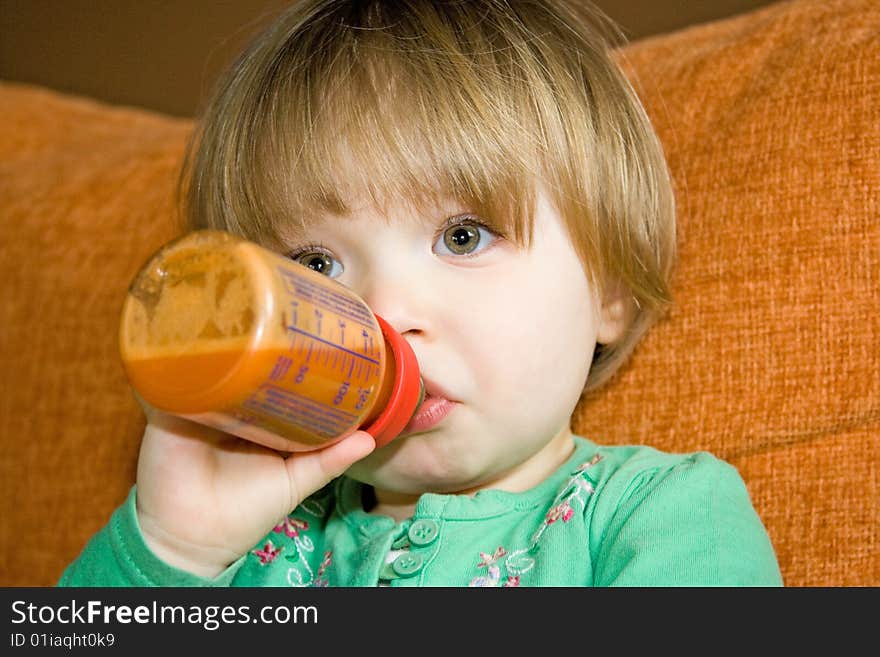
(433,389)
(433,410)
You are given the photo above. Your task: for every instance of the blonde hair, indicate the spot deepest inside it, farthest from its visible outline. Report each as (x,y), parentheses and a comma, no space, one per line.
(478,100)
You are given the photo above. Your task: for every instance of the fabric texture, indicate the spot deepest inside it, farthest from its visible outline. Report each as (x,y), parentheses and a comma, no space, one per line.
(768,359)
(610,516)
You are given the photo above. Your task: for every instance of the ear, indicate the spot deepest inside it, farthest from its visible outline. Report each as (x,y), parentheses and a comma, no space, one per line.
(615,313)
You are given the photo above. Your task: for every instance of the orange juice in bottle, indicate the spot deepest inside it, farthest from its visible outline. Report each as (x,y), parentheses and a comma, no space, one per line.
(232,335)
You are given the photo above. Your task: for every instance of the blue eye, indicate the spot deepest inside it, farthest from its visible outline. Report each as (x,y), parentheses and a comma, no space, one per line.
(463,237)
(318,260)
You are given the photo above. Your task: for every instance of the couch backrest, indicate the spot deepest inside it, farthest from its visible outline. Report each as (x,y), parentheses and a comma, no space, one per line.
(771,356)
(770,359)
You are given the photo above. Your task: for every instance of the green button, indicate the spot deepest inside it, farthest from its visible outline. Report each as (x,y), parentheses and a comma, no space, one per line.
(423,532)
(407,564)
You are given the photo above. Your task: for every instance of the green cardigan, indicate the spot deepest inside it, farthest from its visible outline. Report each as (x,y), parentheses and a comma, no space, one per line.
(609,516)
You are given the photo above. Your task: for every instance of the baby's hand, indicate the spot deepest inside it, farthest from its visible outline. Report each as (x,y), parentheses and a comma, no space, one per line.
(204,497)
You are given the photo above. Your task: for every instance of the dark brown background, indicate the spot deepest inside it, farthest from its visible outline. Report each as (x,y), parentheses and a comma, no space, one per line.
(164,54)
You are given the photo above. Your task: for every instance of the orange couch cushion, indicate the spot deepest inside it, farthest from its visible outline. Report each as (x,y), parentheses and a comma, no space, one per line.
(771,356)
(771,122)
(86,193)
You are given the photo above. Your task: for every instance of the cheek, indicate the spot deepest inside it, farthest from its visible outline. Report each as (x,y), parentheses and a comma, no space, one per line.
(532,343)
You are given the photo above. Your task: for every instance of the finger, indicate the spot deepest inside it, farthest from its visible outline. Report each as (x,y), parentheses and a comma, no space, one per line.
(309,471)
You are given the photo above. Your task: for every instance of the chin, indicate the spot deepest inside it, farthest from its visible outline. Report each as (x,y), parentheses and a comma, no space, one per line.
(416,471)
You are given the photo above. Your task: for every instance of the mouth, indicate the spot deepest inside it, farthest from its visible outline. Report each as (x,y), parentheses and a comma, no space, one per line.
(432,411)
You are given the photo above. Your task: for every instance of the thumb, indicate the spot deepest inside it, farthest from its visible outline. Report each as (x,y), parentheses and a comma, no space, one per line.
(309,471)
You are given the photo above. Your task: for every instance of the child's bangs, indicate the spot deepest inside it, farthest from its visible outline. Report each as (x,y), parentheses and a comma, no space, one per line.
(417,127)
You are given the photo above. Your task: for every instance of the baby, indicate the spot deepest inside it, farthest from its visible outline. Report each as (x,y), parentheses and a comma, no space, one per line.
(484,177)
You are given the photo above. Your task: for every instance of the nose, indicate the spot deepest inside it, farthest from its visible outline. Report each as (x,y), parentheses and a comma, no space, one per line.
(399,299)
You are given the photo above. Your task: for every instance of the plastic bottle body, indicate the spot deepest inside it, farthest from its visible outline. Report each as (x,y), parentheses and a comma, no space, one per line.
(234,336)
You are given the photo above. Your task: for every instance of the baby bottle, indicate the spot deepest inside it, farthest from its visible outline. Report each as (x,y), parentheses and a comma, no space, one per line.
(224,332)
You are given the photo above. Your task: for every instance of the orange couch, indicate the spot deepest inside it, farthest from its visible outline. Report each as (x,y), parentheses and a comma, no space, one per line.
(770,357)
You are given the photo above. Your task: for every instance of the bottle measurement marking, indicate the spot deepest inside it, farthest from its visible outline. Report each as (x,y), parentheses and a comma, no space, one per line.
(312,336)
(281,366)
(359,367)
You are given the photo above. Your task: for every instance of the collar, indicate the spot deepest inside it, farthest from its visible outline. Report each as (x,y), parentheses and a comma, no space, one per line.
(487,503)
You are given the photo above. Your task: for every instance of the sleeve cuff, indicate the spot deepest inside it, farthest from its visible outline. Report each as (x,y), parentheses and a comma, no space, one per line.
(141,566)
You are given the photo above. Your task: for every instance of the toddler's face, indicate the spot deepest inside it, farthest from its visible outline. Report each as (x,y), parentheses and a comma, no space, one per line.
(504,336)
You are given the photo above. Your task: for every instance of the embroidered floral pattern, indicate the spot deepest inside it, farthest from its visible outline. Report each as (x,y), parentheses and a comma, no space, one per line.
(320,580)
(562,510)
(291,526)
(488,560)
(298,548)
(267,553)
(493,575)
(576,489)
(574,492)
